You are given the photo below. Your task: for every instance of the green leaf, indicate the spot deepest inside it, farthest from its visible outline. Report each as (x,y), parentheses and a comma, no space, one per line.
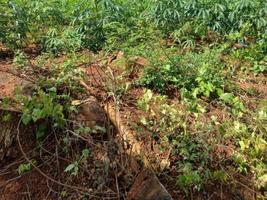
(85,153)
(144,121)
(227,97)
(242,145)
(148,95)
(100,129)
(26,118)
(36,114)
(70,167)
(262,181)
(41,132)
(220,175)
(25,167)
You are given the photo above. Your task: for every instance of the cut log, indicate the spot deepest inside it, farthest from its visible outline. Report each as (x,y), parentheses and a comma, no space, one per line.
(148,187)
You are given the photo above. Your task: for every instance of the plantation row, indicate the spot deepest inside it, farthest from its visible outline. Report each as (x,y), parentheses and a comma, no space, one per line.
(69,25)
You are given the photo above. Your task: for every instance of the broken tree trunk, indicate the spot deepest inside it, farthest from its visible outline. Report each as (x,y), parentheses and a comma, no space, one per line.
(9,114)
(8,134)
(135,148)
(146,186)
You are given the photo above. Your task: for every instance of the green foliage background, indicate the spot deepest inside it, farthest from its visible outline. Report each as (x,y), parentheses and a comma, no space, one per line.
(95,22)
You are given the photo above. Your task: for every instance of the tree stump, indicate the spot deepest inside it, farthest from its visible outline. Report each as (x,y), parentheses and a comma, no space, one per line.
(8,131)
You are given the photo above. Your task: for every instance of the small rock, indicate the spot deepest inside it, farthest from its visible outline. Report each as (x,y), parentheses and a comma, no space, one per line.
(28,89)
(91,113)
(148,187)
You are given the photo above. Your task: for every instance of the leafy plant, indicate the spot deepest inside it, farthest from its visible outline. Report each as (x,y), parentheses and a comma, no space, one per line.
(13,23)
(164,118)
(43,106)
(220,175)
(68,41)
(223,16)
(50,102)
(195,75)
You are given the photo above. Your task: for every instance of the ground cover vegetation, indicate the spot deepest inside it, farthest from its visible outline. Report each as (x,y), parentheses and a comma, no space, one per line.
(194,70)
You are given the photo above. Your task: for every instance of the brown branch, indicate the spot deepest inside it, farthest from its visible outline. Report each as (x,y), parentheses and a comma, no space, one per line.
(18,75)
